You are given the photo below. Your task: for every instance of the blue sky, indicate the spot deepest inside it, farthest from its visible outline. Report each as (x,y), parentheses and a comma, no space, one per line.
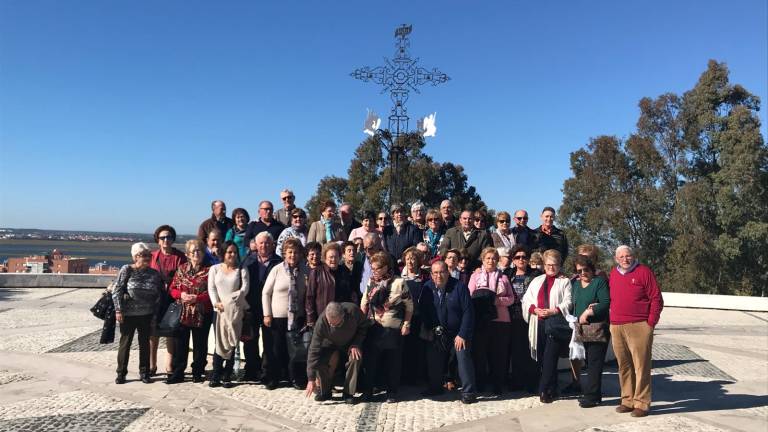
(123,116)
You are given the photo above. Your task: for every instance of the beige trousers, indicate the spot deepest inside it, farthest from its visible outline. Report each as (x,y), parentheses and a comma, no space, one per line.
(632,344)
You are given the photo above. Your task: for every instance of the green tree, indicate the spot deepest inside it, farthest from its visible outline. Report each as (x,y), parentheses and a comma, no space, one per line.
(368,177)
(688,189)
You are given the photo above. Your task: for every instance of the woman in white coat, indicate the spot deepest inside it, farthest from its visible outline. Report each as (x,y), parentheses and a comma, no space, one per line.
(548,298)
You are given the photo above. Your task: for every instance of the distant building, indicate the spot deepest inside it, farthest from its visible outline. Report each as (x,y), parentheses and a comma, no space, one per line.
(55,262)
(103,269)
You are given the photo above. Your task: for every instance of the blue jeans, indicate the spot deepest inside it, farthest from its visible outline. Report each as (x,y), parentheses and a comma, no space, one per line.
(437,359)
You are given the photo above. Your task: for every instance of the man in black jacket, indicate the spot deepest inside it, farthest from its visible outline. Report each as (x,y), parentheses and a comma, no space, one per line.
(548,236)
(401,235)
(337,339)
(452,308)
(259,263)
(522,233)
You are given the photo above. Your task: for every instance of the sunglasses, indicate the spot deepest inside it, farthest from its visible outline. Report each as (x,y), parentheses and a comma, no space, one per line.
(521,257)
(583,271)
(286,198)
(432,219)
(381,218)
(165,238)
(297,217)
(522,218)
(266,208)
(503,221)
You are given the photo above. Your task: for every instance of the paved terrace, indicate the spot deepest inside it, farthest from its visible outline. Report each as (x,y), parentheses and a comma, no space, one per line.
(710,374)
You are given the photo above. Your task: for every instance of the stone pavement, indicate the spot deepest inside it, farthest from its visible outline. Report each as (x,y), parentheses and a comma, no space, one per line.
(710,374)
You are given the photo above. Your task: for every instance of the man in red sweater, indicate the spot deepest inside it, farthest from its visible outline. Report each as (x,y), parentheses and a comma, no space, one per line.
(636,305)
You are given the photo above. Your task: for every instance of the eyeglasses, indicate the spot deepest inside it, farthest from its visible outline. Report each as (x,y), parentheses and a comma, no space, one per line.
(521,257)
(503,221)
(286,198)
(521,218)
(432,219)
(297,217)
(165,238)
(195,251)
(583,271)
(143,254)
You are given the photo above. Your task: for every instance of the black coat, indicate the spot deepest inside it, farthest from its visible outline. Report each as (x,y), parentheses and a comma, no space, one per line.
(253,298)
(396,243)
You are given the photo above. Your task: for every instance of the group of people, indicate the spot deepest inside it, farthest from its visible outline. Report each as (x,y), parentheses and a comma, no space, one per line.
(422,297)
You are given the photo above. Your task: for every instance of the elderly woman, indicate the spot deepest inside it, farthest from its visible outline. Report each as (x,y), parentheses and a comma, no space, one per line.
(545,305)
(368,224)
(137,291)
(328,282)
(414,347)
(296,229)
(314,250)
(349,250)
(491,297)
(433,235)
(382,221)
(327,229)
(282,300)
(166,259)
(503,236)
(479,220)
(236,234)
(227,288)
(388,304)
(190,288)
(523,368)
(591,302)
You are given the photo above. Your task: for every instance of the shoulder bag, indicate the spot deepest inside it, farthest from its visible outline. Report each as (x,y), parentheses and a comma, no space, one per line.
(557,328)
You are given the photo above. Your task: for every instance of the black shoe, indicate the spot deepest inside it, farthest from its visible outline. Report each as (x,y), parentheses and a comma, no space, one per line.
(468,399)
(214,382)
(348,398)
(546,398)
(391,397)
(271,385)
(368,397)
(146,379)
(298,386)
(198,378)
(585,403)
(572,388)
(153,371)
(174,380)
(430,392)
(322,397)
(227,384)
(120,379)
(497,391)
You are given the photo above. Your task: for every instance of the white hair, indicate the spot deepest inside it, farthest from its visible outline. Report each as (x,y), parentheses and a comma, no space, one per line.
(287,191)
(264,234)
(629,249)
(334,311)
(138,248)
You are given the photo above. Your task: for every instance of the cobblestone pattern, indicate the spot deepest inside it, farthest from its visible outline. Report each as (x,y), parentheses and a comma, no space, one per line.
(669,423)
(413,415)
(39,317)
(90,343)
(156,421)
(83,411)
(7,377)
(43,341)
(671,359)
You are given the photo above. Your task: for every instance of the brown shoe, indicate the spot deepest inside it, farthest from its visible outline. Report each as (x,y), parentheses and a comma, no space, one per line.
(637,412)
(621,409)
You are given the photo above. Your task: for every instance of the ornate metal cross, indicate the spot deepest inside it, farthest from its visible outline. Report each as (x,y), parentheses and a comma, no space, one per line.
(399,76)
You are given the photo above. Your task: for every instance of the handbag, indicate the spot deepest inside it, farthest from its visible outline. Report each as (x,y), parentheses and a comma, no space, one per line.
(171,320)
(592,332)
(247,334)
(298,344)
(99,310)
(557,328)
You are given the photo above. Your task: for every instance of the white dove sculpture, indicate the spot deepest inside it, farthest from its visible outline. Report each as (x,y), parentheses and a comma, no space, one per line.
(427,125)
(372,123)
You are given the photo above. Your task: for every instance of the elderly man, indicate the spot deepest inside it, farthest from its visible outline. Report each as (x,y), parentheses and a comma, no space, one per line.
(266,222)
(521,232)
(259,263)
(452,310)
(218,220)
(548,236)
(213,253)
(636,305)
(400,235)
(338,337)
(446,212)
(361,269)
(284,214)
(467,237)
(348,221)
(419,215)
